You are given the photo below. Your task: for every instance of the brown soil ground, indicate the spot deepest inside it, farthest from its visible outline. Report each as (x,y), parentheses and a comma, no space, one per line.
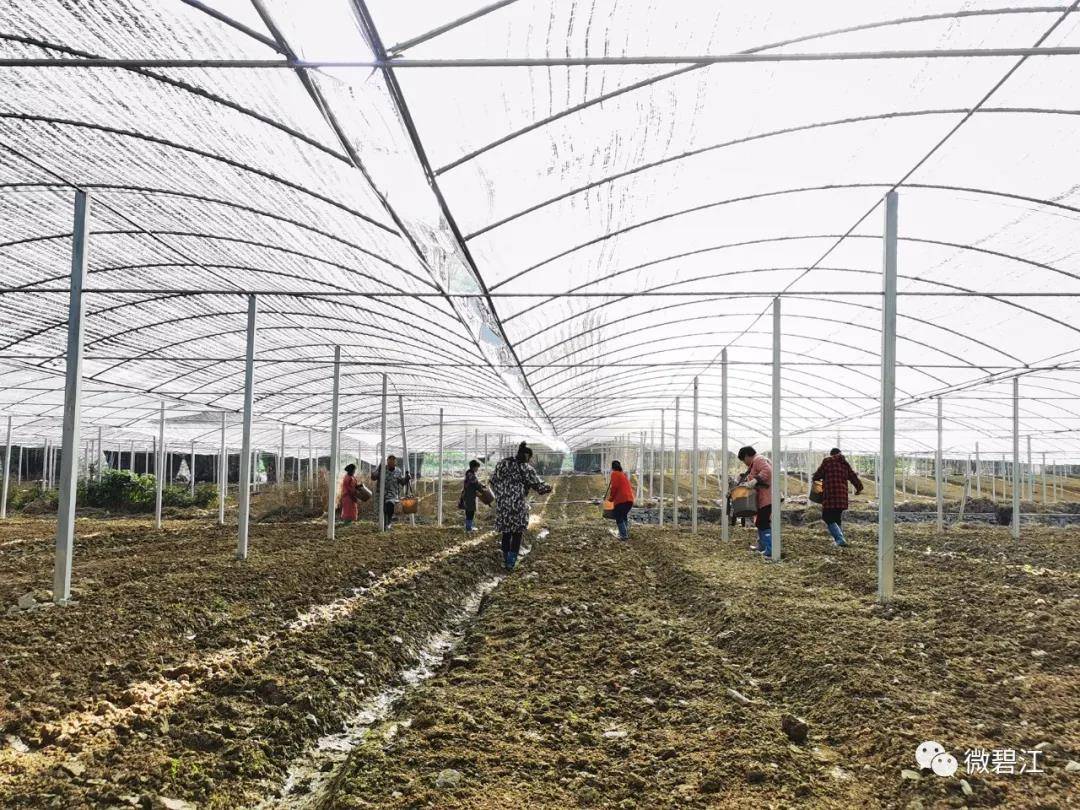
(597,674)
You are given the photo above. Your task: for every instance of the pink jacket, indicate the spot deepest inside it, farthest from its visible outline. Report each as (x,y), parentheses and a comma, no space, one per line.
(761,469)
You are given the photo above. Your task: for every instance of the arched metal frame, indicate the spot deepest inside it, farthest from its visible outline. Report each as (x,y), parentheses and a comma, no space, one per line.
(435,339)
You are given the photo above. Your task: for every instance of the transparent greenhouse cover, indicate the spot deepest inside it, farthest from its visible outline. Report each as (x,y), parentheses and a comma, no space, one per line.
(544,251)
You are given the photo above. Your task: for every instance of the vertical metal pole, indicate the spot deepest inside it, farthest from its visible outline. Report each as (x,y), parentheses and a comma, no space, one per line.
(978,472)
(382,461)
(223,474)
(439,494)
(100,454)
(641,466)
(310,462)
(776,511)
(331,478)
(18,476)
(887,495)
(939,473)
(725,530)
(7,471)
(694,462)
(663,463)
(405,443)
(1015,530)
(1042,470)
(246,472)
(192,470)
(1030,472)
(159,467)
(281,459)
(675,471)
(652,461)
(65,523)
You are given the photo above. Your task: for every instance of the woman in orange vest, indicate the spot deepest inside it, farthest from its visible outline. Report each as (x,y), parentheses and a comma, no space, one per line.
(622,496)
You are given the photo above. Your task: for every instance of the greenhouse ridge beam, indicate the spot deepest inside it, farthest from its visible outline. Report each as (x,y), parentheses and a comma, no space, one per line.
(569,61)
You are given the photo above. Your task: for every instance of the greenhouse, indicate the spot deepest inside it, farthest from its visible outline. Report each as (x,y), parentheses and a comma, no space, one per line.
(580,403)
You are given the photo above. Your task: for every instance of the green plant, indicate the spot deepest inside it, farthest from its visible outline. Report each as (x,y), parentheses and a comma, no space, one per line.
(118,491)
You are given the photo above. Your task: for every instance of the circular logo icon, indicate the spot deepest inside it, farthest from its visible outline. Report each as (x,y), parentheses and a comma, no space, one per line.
(944,764)
(925,753)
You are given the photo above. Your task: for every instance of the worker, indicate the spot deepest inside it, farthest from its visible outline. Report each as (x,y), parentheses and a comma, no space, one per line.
(347,495)
(510,482)
(759,475)
(835,473)
(621,495)
(469,490)
(396,480)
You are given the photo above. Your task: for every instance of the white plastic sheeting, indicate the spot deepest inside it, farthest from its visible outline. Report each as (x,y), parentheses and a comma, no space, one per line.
(551,251)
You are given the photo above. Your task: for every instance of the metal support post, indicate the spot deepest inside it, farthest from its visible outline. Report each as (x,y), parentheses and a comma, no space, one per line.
(725,530)
(675,470)
(7,471)
(887,495)
(1015,529)
(776,510)
(379,506)
(331,477)
(65,522)
(694,462)
(405,444)
(223,474)
(663,464)
(939,473)
(159,467)
(439,494)
(246,472)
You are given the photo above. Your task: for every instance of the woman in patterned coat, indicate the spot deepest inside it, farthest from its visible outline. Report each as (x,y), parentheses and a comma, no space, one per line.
(510,483)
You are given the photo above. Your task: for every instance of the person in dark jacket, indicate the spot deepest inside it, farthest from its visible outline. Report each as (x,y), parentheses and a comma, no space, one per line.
(836,474)
(469,490)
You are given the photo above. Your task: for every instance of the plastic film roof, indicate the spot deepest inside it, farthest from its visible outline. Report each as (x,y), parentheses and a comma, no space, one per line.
(546,251)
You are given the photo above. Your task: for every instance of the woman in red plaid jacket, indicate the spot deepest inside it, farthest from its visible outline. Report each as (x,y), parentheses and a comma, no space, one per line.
(836,473)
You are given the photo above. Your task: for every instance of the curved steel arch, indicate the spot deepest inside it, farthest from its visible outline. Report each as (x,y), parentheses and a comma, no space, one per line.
(576,410)
(808,298)
(387,303)
(838,122)
(689,68)
(205,336)
(777,193)
(236,164)
(622,297)
(169,296)
(188,88)
(776,239)
(258,212)
(198,235)
(436,351)
(679,373)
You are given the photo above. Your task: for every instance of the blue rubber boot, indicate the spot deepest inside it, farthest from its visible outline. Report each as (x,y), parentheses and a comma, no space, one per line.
(837,534)
(511,560)
(765,541)
(468,525)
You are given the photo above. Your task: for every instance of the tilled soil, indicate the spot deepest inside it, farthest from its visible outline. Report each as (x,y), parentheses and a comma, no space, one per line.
(651,674)
(181,672)
(601,674)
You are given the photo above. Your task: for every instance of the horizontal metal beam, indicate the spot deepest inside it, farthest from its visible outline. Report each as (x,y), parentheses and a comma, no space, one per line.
(407,364)
(569,61)
(643,294)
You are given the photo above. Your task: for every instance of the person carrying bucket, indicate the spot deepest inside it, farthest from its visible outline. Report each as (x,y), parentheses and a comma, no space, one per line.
(759,475)
(395,482)
(511,481)
(835,473)
(347,495)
